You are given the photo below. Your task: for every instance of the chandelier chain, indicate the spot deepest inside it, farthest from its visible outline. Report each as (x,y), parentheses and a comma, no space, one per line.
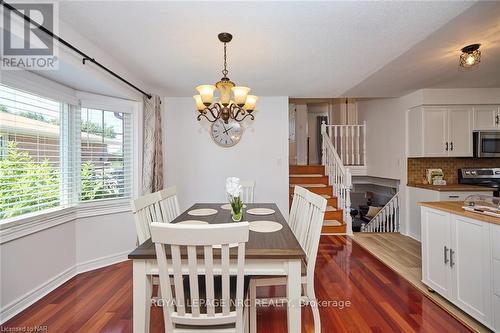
(225,71)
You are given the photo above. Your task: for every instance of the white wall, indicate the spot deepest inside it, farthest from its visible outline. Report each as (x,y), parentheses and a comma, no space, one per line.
(301,133)
(199,167)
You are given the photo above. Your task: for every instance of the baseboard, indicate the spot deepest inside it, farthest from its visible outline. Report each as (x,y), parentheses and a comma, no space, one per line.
(28,299)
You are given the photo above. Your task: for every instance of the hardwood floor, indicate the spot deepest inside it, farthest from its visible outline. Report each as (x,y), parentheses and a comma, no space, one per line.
(379,300)
(403,255)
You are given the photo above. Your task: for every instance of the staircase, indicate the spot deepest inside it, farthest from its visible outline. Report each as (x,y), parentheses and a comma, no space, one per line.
(312,177)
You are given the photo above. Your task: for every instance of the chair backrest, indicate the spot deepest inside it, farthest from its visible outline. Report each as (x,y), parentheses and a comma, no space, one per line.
(308,229)
(247,191)
(298,206)
(161,206)
(198,241)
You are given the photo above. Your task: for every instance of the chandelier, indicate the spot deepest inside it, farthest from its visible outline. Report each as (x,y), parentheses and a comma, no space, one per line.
(234,102)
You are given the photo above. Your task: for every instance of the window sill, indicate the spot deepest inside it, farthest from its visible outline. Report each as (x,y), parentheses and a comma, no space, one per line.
(17,227)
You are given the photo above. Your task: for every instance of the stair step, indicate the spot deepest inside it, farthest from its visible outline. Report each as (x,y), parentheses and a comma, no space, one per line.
(331,223)
(309,185)
(309,180)
(334,229)
(331,209)
(307,175)
(334,215)
(311,169)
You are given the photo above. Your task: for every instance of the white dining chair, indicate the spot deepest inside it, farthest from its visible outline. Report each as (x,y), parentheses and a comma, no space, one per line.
(298,204)
(206,302)
(247,191)
(161,206)
(310,212)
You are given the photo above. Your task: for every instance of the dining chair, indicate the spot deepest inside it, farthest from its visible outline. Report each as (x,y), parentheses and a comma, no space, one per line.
(309,215)
(247,191)
(298,205)
(202,300)
(161,206)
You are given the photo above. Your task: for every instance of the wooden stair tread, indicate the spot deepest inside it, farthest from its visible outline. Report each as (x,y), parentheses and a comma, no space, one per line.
(331,209)
(332,223)
(306,175)
(309,185)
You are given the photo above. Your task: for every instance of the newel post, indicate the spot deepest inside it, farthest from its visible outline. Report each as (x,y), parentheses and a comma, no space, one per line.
(347,208)
(323,145)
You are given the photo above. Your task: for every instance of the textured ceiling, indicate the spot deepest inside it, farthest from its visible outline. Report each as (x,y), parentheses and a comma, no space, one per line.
(297,49)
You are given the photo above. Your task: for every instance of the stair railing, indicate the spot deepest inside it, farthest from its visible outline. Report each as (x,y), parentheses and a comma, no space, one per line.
(387,219)
(349,142)
(339,177)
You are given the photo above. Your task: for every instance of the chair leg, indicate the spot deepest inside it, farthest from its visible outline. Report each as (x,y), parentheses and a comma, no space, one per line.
(246,322)
(313,302)
(253,306)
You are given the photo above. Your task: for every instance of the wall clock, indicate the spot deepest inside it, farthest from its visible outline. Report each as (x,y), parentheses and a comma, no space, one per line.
(226,135)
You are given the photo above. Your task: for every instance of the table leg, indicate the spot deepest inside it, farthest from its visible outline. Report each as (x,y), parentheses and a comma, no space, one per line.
(293,289)
(142,295)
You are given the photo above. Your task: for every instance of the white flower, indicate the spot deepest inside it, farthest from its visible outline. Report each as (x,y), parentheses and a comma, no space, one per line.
(233,187)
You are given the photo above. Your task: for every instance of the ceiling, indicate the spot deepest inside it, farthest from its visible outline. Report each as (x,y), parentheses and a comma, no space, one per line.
(297,49)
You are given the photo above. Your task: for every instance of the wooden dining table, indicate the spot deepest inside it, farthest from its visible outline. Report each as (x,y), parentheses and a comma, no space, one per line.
(274,253)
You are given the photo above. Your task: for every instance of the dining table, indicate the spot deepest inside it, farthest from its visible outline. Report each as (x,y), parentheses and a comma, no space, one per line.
(275,253)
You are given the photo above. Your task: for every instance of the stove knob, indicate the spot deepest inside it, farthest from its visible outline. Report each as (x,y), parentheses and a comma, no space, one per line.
(473,172)
(497,172)
(467,173)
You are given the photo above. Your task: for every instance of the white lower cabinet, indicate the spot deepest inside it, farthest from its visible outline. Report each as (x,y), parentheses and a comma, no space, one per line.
(457,263)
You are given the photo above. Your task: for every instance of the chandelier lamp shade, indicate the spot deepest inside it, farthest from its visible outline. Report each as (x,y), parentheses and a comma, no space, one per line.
(233,102)
(470,57)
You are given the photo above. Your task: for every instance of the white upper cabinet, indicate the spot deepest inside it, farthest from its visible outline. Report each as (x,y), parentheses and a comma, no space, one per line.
(460,131)
(440,131)
(486,118)
(435,132)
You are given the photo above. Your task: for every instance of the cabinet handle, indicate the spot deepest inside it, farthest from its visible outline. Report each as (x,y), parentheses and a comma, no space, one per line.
(445,255)
(451,258)
(453,196)
(497,119)
(451,146)
(446,145)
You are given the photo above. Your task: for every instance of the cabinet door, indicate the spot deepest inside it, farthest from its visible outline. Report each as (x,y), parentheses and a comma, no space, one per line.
(435,132)
(486,118)
(460,131)
(470,263)
(436,272)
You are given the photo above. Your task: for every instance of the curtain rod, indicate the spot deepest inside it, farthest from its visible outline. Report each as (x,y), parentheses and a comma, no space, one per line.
(85,57)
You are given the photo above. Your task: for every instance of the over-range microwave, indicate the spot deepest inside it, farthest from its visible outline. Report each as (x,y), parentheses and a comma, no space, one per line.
(486,143)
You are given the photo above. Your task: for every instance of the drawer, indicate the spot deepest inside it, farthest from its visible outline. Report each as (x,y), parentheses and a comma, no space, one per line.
(495,241)
(496,277)
(458,196)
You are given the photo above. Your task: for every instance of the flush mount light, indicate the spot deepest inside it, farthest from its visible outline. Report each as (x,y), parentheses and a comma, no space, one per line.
(470,57)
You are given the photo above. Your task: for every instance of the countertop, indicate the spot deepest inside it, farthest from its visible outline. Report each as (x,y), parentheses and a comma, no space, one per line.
(454,188)
(455,207)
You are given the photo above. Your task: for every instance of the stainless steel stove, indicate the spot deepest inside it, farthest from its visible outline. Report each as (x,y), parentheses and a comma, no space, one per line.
(489,177)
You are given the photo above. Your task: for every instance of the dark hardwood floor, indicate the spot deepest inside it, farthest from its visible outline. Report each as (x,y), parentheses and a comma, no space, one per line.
(380,300)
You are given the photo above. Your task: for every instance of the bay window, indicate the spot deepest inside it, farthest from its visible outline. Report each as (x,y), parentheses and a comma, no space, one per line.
(57,154)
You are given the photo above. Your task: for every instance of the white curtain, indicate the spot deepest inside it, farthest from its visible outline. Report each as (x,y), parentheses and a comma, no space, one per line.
(152,146)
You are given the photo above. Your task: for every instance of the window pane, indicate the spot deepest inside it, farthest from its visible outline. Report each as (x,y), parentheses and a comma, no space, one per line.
(30,137)
(104,154)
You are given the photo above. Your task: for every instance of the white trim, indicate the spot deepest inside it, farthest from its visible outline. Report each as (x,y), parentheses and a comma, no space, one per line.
(21,303)
(107,103)
(26,225)
(38,85)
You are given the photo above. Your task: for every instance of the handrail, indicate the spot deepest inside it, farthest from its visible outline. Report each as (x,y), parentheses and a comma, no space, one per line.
(339,177)
(387,219)
(350,142)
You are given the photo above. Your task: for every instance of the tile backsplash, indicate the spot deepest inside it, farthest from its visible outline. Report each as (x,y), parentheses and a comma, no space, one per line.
(450,166)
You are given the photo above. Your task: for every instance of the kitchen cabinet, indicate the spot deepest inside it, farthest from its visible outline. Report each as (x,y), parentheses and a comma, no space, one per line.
(486,118)
(457,262)
(440,131)
(416,195)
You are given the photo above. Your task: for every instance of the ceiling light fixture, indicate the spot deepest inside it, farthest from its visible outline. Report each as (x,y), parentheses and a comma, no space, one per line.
(234,101)
(471,56)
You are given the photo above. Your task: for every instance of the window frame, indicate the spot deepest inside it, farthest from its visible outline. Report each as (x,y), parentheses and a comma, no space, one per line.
(22,225)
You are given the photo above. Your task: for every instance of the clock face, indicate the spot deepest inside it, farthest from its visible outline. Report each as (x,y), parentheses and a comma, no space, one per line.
(226,135)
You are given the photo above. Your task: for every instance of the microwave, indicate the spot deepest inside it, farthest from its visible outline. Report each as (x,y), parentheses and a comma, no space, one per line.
(486,144)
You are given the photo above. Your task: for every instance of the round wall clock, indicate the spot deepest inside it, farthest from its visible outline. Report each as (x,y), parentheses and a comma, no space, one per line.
(226,135)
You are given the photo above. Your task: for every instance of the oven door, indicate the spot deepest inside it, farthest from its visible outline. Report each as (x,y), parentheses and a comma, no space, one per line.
(487,144)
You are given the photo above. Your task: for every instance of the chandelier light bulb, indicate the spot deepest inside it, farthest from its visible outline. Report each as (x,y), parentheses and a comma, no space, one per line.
(470,57)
